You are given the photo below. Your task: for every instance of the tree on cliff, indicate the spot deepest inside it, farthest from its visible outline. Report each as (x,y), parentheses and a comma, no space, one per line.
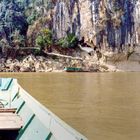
(12,19)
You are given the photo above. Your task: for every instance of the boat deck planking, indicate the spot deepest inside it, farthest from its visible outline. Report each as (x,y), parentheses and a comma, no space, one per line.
(10,121)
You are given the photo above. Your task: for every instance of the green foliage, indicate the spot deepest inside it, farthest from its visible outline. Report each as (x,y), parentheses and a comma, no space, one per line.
(36,52)
(40,41)
(32,17)
(70,41)
(44,39)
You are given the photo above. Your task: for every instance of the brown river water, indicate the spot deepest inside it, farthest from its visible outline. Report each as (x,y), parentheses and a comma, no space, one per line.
(102,106)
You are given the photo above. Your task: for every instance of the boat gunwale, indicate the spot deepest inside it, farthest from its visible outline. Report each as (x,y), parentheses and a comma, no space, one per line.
(28,98)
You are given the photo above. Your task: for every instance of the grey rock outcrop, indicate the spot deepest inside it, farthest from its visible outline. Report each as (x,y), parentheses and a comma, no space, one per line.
(106,23)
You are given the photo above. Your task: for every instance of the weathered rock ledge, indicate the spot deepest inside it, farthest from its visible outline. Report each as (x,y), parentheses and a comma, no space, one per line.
(103,61)
(33,63)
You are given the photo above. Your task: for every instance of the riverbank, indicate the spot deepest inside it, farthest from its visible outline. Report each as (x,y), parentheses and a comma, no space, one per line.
(32,63)
(56,62)
(126,61)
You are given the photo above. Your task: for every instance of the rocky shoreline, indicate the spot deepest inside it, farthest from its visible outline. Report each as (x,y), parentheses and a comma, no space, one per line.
(33,63)
(108,62)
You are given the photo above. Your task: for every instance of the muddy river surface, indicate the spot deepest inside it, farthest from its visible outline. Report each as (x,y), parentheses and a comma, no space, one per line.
(102,106)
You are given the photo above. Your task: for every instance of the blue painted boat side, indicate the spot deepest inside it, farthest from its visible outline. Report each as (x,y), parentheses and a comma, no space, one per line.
(5,83)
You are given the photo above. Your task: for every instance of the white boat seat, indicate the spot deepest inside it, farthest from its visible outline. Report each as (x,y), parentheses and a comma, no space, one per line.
(10,121)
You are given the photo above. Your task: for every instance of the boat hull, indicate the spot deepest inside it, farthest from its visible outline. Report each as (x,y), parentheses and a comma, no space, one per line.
(72,69)
(39,123)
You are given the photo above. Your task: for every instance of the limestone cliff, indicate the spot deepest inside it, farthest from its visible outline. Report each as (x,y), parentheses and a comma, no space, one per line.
(105,23)
(108,23)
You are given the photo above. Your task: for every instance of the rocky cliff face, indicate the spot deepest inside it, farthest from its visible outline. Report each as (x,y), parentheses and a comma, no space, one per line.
(112,23)
(105,23)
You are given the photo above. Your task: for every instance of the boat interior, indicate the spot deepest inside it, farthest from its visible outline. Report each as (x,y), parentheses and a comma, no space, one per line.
(8,134)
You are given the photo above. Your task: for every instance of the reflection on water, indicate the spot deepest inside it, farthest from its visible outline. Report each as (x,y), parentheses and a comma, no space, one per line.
(102,106)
